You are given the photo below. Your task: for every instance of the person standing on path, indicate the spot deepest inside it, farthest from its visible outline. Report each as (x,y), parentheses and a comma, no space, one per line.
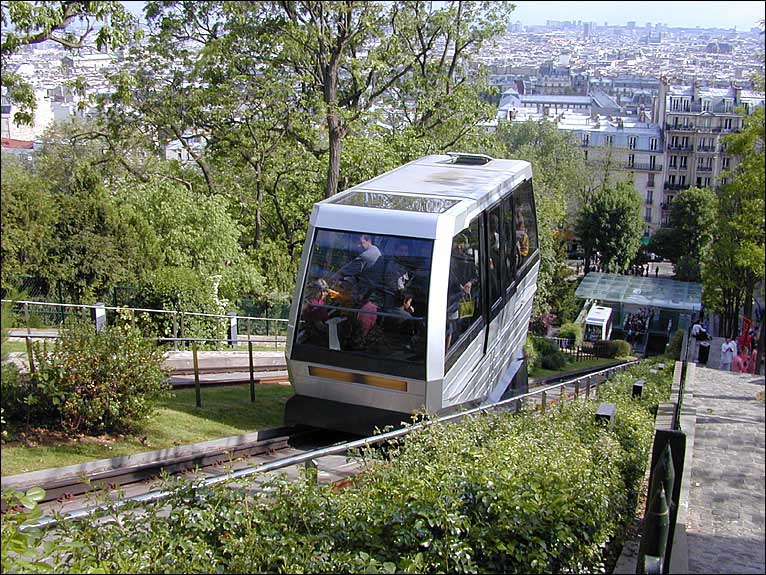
(728,351)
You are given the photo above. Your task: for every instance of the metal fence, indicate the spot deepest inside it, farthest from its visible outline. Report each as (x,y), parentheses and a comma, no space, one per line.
(170,325)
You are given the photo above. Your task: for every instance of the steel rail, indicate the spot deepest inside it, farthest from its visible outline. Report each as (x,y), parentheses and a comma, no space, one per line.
(318,453)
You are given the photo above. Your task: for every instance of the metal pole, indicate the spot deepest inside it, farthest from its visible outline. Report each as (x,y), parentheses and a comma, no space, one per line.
(543,401)
(197,391)
(252,378)
(26,316)
(29,353)
(175,331)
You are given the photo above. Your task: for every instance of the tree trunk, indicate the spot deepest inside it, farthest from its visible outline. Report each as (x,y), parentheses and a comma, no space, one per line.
(336,133)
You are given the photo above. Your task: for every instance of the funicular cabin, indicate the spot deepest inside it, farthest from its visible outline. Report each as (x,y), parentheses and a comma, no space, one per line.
(414,293)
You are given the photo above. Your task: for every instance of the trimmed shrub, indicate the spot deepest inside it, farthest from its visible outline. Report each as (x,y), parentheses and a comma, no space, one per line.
(572,331)
(624,349)
(673,351)
(91,382)
(605,348)
(555,360)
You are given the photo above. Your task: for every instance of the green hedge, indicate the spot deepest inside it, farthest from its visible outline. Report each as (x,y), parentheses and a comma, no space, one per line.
(531,493)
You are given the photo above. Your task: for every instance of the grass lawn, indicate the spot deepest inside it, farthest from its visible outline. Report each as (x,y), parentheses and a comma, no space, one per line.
(539,372)
(9,346)
(225,411)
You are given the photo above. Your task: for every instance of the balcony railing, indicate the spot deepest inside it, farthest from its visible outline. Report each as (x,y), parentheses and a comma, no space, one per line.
(706,148)
(676,187)
(704,168)
(643,166)
(680,148)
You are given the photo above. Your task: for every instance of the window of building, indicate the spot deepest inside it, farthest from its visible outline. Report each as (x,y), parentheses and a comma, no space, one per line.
(727,106)
(608,140)
(683,162)
(650,180)
(650,195)
(685,142)
(648,215)
(632,140)
(652,162)
(700,162)
(705,105)
(699,182)
(653,144)
(672,180)
(631,160)
(585,139)
(727,123)
(725,163)
(673,161)
(706,182)
(682,180)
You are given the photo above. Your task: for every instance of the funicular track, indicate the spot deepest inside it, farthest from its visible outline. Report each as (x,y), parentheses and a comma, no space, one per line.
(281,449)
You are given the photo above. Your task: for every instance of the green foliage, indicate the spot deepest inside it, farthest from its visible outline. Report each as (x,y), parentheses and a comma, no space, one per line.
(35,22)
(27,216)
(531,493)
(692,217)
(612,348)
(734,264)
(624,349)
(531,353)
(675,344)
(559,173)
(572,331)
(91,382)
(555,360)
(610,223)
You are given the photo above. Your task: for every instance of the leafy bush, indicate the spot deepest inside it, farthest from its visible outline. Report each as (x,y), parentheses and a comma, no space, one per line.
(605,348)
(530,353)
(572,331)
(531,493)
(555,360)
(673,350)
(91,382)
(545,346)
(624,349)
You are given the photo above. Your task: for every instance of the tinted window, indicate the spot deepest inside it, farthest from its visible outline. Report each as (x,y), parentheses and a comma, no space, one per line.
(509,239)
(464,315)
(495,240)
(525,225)
(365,302)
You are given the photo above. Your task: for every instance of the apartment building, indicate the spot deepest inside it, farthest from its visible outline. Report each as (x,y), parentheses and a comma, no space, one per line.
(696,120)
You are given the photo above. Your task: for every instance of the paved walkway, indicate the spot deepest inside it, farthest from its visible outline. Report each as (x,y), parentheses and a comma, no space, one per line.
(725,519)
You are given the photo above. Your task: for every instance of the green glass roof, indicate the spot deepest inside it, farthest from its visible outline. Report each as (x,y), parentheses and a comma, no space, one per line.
(643,291)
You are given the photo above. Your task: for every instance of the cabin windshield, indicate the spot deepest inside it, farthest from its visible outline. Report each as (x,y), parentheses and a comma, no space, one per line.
(592,332)
(365,302)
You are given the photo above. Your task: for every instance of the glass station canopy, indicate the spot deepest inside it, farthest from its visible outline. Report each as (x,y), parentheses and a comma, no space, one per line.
(642,291)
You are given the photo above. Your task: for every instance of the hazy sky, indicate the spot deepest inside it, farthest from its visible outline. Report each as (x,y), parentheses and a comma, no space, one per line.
(705,14)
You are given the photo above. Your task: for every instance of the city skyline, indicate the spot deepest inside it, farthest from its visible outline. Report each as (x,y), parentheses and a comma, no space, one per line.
(742,14)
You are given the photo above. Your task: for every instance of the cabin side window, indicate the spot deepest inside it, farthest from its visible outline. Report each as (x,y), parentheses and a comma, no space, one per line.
(464,316)
(524,224)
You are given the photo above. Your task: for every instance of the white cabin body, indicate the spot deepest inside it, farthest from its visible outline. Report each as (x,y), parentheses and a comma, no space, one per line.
(457,235)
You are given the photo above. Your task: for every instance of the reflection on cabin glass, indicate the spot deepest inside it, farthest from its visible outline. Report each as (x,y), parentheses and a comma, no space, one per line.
(525,225)
(366,295)
(463,289)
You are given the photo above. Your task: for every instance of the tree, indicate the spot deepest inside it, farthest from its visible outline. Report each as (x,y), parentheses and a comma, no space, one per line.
(611,225)
(36,22)
(692,217)
(558,168)
(736,261)
(27,216)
